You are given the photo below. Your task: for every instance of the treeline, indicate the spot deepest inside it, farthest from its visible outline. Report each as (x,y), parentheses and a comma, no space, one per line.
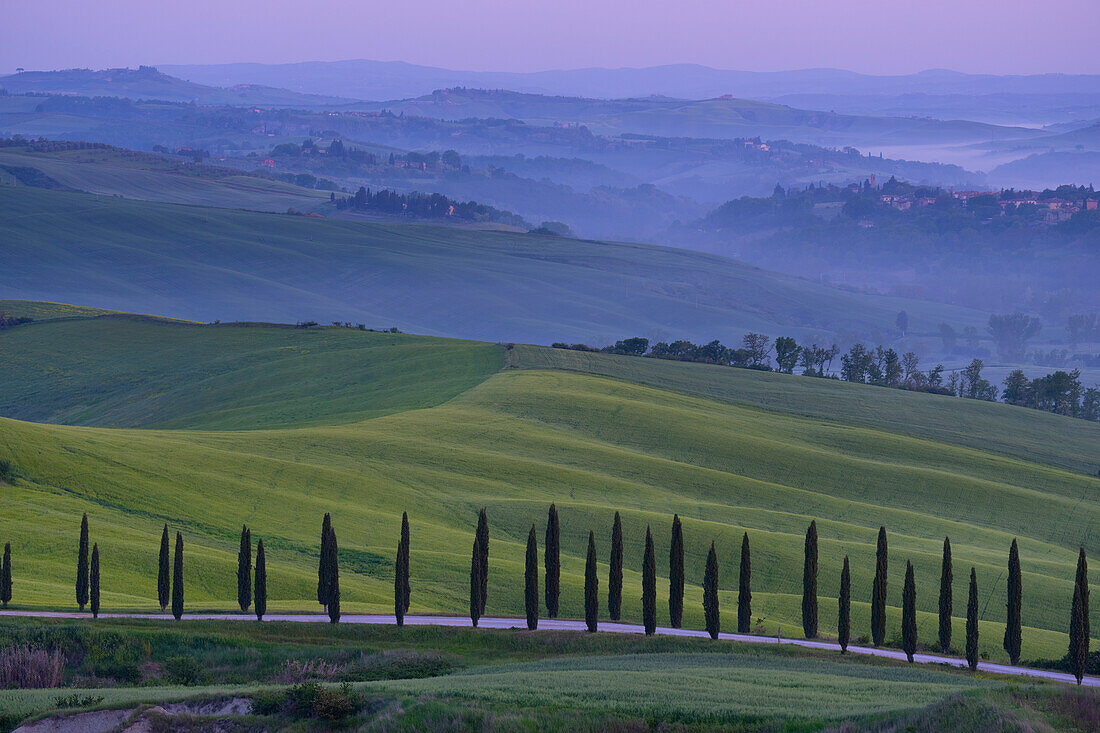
(426,206)
(1060,392)
(252,586)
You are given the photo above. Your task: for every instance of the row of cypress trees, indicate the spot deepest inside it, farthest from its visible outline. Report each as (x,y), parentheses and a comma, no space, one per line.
(328,585)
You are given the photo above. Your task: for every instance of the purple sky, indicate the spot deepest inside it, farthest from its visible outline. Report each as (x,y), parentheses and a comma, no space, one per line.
(871,36)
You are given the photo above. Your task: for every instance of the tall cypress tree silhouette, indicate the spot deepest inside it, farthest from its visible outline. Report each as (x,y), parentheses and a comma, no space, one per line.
(615,573)
(82,565)
(260,596)
(93,581)
(1012,616)
(649,586)
(878,592)
(946,599)
(164,573)
(531,581)
(552,561)
(972,622)
(244,570)
(483,538)
(475,581)
(844,608)
(5,575)
(676,574)
(809,583)
(710,594)
(332,566)
(401,590)
(177,578)
(323,573)
(909,613)
(591,586)
(1079,620)
(744,589)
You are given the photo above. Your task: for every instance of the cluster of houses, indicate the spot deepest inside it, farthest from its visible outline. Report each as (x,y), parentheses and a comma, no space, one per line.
(1054,209)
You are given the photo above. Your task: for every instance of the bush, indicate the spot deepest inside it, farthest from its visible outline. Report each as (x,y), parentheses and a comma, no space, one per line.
(332,703)
(184,671)
(267,703)
(7,471)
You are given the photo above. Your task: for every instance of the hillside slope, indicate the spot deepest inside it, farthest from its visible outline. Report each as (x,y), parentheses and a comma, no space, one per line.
(513,441)
(207,264)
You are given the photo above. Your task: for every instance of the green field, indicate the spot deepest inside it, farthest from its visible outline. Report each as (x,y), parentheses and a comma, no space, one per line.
(366,425)
(209,263)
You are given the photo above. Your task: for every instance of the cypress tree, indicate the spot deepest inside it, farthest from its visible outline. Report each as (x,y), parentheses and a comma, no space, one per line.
(552,562)
(744,589)
(244,570)
(710,594)
(323,573)
(177,578)
(615,573)
(82,565)
(475,581)
(164,577)
(946,600)
(93,581)
(844,608)
(676,574)
(649,586)
(531,581)
(401,590)
(591,586)
(5,575)
(332,565)
(260,596)
(972,622)
(909,613)
(878,592)
(809,583)
(483,536)
(1012,616)
(1079,620)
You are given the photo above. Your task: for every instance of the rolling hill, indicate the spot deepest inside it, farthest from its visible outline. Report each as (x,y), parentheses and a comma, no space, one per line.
(207,264)
(366,425)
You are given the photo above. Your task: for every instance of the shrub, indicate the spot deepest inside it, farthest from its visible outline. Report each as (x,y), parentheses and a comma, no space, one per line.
(184,670)
(332,703)
(29,667)
(267,703)
(7,471)
(76,701)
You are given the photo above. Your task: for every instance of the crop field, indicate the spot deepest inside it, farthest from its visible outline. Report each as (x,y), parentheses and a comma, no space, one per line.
(367,425)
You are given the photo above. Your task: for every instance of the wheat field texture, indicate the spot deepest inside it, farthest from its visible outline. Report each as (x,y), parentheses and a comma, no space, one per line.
(141,422)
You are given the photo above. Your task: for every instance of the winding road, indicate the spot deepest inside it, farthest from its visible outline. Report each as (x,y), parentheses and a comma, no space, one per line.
(567,625)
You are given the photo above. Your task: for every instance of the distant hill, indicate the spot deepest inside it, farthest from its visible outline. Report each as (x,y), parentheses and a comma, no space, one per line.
(206,264)
(146,82)
(378,80)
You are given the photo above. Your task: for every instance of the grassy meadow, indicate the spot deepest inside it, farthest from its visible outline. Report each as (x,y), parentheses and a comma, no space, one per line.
(367,425)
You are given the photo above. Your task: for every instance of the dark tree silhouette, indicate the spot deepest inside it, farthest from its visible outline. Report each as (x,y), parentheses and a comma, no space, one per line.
(5,575)
(1012,615)
(260,596)
(909,613)
(531,581)
(972,622)
(164,573)
(244,570)
(475,581)
(649,586)
(552,562)
(483,538)
(177,578)
(878,592)
(710,594)
(93,581)
(323,573)
(1079,620)
(946,597)
(844,608)
(591,586)
(82,565)
(744,589)
(676,574)
(809,583)
(615,573)
(332,566)
(401,590)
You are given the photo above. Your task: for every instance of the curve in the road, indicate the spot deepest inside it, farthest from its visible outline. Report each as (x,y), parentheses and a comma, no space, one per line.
(566,625)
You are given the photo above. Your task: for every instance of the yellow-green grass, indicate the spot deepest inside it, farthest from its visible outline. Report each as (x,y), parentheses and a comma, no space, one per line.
(513,443)
(41,310)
